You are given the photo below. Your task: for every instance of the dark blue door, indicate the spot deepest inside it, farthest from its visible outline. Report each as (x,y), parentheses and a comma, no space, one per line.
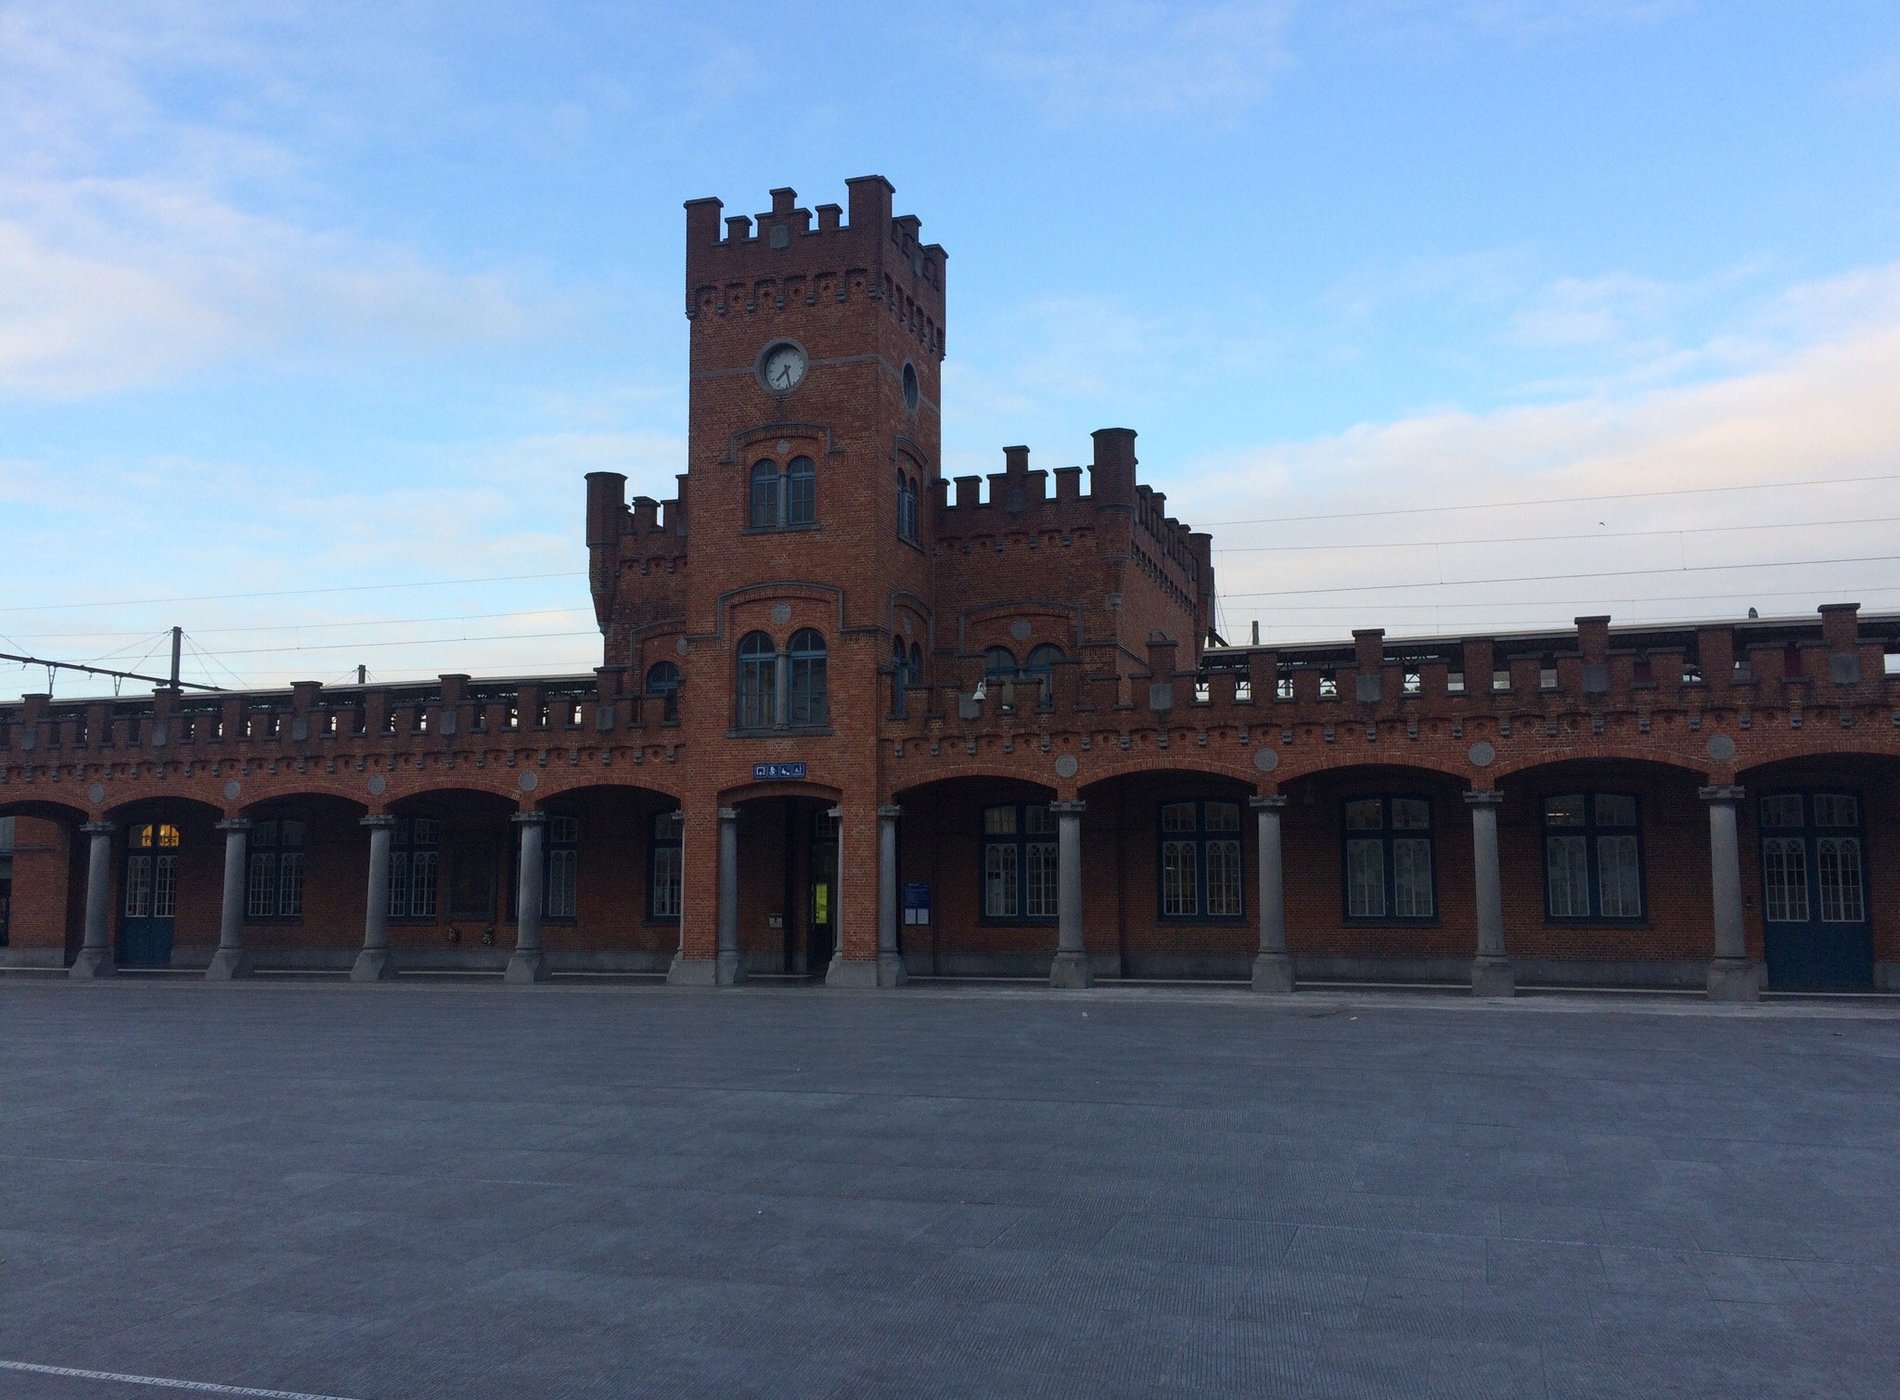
(1817,934)
(151,896)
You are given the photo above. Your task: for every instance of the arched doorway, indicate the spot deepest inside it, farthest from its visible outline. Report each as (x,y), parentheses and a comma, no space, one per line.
(148,913)
(788,884)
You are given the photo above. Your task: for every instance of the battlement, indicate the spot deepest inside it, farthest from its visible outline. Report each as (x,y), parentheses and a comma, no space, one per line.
(872,252)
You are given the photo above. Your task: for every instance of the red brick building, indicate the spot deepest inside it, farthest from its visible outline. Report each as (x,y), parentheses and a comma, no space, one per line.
(858,721)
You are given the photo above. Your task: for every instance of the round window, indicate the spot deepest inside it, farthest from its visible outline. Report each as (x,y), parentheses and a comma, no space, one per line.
(910,386)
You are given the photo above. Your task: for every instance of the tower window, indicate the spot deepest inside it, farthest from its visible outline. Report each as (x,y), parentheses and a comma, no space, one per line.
(782,499)
(783,689)
(663,688)
(907,507)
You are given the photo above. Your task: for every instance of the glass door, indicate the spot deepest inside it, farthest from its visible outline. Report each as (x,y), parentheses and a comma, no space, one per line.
(151,896)
(1817,935)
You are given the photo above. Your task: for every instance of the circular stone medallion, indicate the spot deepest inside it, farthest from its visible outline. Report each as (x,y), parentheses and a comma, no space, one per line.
(1720,747)
(1266,760)
(529,781)
(1481,754)
(781,612)
(1019,629)
(1066,765)
(232,788)
(680,646)
(95,793)
(378,784)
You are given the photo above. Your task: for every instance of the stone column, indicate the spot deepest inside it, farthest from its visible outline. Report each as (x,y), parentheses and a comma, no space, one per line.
(729,969)
(528,963)
(95,957)
(374,963)
(231,960)
(1491,972)
(1732,977)
(1272,968)
(1071,965)
(890,959)
(844,971)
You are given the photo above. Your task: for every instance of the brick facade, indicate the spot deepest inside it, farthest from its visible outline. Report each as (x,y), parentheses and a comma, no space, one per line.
(1111,694)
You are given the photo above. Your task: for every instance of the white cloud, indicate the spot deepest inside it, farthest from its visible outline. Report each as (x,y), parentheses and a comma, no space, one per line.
(1081,62)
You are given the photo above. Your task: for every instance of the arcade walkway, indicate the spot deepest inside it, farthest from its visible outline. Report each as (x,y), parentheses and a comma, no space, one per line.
(468,1190)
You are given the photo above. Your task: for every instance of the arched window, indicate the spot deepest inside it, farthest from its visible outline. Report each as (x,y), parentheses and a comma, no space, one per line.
(916,664)
(765,495)
(758,681)
(900,675)
(810,701)
(999,663)
(801,492)
(906,507)
(663,687)
(1043,660)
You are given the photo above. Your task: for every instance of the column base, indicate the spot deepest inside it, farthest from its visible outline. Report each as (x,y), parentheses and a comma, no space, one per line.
(1734,979)
(228,963)
(851,972)
(92,964)
(692,972)
(890,970)
(529,965)
(1273,972)
(1493,977)
(1070,971)
(729,969)
(373,965)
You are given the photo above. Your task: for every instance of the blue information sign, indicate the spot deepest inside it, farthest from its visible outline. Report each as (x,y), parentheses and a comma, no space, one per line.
(769,772)
(916,903)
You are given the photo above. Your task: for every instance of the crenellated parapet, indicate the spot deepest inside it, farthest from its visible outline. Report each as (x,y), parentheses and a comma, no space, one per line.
(1768,688)
(740,265)
(636,552)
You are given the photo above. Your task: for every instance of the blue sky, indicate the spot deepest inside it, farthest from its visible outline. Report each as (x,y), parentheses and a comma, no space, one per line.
(301,295)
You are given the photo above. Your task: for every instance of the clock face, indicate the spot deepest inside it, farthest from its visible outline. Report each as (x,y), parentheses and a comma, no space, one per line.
(782,366)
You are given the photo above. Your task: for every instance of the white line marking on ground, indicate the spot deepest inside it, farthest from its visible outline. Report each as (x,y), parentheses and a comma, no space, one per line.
(201,1387)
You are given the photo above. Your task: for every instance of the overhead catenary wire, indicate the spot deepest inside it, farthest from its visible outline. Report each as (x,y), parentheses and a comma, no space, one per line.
(1550,539)
(1408,586)
(288,592)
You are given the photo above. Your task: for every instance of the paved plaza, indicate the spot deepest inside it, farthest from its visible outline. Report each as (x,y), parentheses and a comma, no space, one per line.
(472,1190)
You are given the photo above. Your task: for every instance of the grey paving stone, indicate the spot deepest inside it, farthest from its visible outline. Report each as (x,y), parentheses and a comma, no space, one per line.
(405,1193)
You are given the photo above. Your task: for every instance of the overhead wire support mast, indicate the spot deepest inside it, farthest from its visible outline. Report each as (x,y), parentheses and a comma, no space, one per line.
(172,680)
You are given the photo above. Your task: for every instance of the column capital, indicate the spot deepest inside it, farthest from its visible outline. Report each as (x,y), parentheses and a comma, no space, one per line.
(99,828)
(1267,801)
(727,814)
(1722,792)
(835,813)
(534,818)
(1072,807)
(377,821)
(1484,797)
(890,812)
(234,824)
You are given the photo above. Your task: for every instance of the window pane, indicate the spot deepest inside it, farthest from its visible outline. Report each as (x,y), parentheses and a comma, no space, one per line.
(1785,879)
(1567,880)
(999,661)
(1411,814)
(1412,878)
(1178,878)
(1619,877)
(563,831)
(999,880)
(1836,809)
(1041,885)
(399,884)
(165,882)
(999,821)
(1221,816)
(290,885)
(557,894)
(425,830)
(1223,879)
(666,882)
(1365,880)
(422,885)
(138,887)
(261,900)
(1837,860)
(1781,810)
(1616,809)
(1364,815)
(665,827)
(801,492)
(809,700)
(1177,816)
(1565,810)
(764,495)
(1038,819)
(264,835)
(168,836)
